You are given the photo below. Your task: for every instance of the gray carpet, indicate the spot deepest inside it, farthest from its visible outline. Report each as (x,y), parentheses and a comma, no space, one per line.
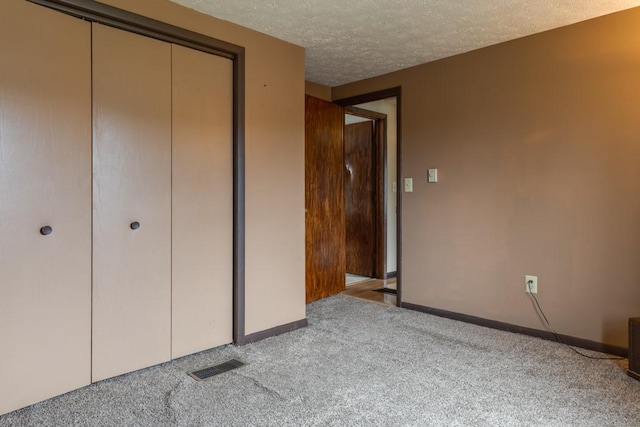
(363,364)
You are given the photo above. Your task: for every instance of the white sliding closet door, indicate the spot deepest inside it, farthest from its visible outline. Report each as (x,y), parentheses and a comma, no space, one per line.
(45,204)
(132,202)
(202,311)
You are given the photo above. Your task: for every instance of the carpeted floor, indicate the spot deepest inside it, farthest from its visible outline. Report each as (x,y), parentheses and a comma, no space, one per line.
(363,364)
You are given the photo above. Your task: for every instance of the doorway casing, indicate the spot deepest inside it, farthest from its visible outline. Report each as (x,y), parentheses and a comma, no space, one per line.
(376,96)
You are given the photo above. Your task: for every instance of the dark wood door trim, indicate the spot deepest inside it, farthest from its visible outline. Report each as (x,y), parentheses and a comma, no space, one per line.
(375,96)
(380,197)
(361,112)
(94,11)
(108,15)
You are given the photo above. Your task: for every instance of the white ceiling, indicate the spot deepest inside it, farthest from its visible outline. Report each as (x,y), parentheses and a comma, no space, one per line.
(349,41)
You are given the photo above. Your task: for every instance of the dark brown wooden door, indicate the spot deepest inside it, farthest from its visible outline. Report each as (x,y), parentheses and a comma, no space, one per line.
(324,194)
(359,187)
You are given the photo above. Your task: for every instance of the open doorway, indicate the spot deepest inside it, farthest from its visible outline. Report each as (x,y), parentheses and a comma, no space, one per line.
(364,193)
(385,104)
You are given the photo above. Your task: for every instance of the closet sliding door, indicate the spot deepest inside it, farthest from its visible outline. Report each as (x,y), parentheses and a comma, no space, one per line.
(45,204)
(146,275)
(131,202)
(202,201)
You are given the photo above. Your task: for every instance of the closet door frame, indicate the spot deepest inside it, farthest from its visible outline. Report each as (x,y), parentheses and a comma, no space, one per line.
(108,15)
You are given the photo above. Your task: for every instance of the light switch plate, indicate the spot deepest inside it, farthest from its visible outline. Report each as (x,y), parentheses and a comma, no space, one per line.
(408,185)
(433,175)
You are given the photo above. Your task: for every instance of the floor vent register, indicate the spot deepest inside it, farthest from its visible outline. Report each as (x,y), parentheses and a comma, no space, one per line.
(212,371)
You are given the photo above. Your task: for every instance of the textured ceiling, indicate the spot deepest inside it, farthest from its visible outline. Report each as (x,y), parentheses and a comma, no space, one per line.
(349,41)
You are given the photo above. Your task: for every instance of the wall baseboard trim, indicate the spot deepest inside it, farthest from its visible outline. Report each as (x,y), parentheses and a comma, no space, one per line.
(278,330)
(391,275)
(494,324)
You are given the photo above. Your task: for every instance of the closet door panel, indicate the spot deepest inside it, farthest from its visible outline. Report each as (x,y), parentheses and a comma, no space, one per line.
(132,184)
(202,310)
(45,180)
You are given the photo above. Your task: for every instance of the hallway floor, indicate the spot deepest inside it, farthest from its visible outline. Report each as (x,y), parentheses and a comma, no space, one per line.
(366,290)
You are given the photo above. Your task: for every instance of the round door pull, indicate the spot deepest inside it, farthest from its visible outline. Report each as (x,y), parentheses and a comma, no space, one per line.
(135,225)
(46,230)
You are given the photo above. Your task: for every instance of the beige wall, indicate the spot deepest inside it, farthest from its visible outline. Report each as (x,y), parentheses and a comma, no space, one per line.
(537,142)
(275,88)
(318,90)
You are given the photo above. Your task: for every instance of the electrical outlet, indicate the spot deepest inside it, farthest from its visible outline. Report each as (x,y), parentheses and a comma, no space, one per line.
(531,284)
